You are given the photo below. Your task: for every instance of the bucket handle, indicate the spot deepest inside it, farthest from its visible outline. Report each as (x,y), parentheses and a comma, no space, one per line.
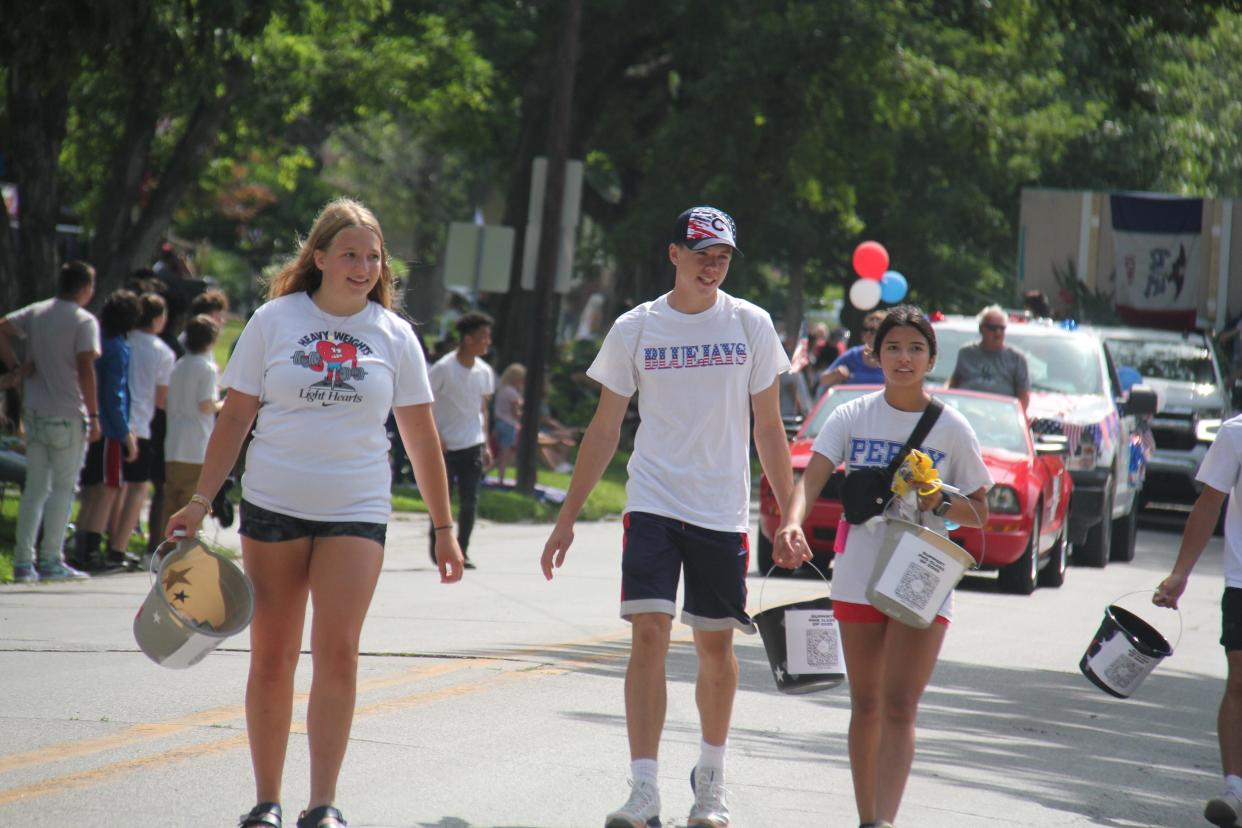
(1175,609)
(773,569)
(160,552)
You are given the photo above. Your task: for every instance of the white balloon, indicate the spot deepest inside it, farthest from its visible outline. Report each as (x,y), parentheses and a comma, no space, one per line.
(865,294)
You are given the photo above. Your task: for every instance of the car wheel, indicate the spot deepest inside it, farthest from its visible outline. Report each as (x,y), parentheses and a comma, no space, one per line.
(1095,550)
(1053,573)
(1125,528)
(1020,576)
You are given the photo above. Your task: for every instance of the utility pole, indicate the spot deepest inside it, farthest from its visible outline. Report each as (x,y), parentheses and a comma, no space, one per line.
(542,332)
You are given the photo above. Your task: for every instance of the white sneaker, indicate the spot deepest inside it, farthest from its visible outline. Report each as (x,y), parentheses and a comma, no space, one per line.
(641,810)
(1224,810)
(709,809)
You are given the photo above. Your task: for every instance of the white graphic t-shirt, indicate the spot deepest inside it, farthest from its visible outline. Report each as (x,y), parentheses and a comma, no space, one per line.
(867,431)
(460,392)
(326,384)
(694,374)
(1222,470)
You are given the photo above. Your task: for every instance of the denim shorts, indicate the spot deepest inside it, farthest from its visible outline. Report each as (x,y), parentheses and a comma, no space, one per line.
(267,526)
(506,434)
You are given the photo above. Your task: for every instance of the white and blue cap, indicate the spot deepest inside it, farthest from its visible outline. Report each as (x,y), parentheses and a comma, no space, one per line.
(704,226)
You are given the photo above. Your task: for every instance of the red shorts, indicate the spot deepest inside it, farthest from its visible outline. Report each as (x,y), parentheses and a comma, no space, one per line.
(849,613)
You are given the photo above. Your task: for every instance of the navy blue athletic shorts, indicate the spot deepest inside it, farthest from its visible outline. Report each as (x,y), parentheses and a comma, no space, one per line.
(656,550)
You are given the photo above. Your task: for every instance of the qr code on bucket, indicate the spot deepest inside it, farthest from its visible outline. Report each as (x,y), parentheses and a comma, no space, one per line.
(821,647)
(1122,672)
(916,586)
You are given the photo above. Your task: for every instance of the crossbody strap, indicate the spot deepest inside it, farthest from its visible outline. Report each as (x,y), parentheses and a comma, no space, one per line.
(924,425)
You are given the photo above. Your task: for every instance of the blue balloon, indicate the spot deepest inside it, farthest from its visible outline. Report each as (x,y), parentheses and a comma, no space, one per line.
(893,287)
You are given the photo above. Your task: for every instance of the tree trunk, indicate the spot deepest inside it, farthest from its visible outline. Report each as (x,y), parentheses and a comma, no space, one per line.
(118,257)
(795,299)
(541,335)
(37,115)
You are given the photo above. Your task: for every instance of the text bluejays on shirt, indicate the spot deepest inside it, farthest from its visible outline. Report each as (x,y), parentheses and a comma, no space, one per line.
(694,356)
(864,452)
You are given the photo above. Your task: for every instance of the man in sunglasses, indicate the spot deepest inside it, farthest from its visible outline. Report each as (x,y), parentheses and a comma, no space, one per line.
(991,365)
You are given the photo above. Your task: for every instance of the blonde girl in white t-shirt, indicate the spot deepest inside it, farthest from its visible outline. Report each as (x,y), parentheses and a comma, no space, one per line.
(889,663)
(327,359)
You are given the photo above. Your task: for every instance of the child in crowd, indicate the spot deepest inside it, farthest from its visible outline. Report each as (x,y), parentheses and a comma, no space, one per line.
(507,417)
(191,410)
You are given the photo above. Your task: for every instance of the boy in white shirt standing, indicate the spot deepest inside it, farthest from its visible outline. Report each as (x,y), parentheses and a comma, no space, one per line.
(150,368)
(702,362)
(462,384)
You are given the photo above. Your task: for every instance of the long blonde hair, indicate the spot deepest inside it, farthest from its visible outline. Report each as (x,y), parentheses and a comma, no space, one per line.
(300,272)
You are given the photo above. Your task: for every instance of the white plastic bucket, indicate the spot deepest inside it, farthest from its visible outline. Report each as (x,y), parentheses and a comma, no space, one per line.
(198,599)
(914,572)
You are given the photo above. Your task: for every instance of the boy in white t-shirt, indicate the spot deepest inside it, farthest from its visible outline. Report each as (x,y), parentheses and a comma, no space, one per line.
(150,368)
(462,384)
(1220,473)
(702,361)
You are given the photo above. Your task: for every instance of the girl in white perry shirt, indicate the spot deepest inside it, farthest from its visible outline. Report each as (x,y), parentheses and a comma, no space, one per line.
(888,663)
(321,364)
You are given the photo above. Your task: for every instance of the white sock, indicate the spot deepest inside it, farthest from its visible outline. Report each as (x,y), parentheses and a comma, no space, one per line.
(645,770)
(1234,783)
(712,756)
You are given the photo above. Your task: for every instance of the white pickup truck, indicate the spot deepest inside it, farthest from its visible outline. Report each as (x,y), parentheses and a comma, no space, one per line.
(1075,392)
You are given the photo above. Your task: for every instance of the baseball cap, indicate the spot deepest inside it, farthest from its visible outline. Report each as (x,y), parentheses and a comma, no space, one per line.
(704,226)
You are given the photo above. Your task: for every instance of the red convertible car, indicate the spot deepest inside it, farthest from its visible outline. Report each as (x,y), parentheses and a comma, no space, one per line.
(1025,537)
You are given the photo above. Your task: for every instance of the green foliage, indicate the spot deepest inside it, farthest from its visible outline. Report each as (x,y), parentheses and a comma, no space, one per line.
(1083,303)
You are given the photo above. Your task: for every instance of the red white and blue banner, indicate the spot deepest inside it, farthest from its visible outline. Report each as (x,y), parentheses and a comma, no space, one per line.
(1159,262)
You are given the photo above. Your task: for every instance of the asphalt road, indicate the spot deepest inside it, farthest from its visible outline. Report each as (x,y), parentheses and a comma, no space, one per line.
(498,702)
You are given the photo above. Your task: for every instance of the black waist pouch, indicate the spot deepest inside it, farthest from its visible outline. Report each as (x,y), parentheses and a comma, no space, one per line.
(865,492)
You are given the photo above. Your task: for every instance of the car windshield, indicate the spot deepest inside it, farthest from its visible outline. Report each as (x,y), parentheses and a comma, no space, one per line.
(1177,361)
(1064,363)
(998,423)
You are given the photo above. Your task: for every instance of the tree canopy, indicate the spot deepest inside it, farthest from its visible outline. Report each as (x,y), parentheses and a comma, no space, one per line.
(817,124)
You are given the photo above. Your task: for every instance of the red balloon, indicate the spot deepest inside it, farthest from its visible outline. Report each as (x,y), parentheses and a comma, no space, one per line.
(870,260)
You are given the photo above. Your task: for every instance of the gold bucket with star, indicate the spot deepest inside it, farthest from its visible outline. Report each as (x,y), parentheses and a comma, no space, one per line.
(198,598)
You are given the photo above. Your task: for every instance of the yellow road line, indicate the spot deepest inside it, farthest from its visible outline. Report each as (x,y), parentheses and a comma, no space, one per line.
(135,734)
(81,779)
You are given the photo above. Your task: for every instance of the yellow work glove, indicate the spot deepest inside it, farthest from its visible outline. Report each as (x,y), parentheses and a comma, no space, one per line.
(918,473)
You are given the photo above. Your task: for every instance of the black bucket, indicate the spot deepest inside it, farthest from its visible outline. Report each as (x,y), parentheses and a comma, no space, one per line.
(771,624)
(1124,651)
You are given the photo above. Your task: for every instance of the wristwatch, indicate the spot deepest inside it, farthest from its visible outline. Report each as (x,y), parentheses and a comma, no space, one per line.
(943,508)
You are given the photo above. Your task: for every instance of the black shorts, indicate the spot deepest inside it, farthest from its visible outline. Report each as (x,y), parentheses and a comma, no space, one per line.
(655,551)
(1231,619)
(139,471)
(159,430)
(267,526)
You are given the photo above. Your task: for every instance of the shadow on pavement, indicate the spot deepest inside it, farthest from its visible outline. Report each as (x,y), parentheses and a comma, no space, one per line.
(1048,736)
